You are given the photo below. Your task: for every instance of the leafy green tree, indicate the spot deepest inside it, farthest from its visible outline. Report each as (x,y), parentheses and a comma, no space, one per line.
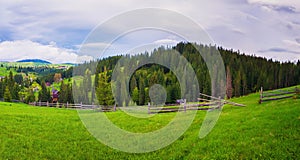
(30,97)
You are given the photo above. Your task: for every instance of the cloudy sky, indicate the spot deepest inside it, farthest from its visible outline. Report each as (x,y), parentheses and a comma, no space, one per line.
(54,30)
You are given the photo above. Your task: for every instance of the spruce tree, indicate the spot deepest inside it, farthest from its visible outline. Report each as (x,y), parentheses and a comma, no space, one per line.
(2,88)
(135,95)
(103,91)
(44,94)
(7,95)
(142,92)
(228,84)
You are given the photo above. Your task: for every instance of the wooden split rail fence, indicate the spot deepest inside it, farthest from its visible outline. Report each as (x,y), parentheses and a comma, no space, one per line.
(210,103)
(277,94)
(213,103)
(75,106)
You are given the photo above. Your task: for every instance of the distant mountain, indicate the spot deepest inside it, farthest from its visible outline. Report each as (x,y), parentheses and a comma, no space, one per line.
(71,64)
(35,61)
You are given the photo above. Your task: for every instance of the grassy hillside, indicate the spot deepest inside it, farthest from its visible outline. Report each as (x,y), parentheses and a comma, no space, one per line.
(269,130)
(33,64)
(5,72)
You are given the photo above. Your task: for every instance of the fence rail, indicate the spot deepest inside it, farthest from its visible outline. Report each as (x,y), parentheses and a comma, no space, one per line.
(184,107)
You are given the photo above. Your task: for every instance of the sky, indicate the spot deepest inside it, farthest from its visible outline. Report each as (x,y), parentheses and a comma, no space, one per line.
(55,30)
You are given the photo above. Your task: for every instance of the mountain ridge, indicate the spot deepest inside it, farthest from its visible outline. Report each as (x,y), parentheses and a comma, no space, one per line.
(35,61)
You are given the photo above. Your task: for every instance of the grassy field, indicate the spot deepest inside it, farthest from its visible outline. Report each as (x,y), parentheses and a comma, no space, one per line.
(267,131)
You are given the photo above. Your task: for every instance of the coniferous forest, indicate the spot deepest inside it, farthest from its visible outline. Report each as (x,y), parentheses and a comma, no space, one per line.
(244,73)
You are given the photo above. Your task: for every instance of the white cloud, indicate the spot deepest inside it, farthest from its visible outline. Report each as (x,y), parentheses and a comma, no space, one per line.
(249,25)
(166,42)
(25,49)
(294,3)
(292,44)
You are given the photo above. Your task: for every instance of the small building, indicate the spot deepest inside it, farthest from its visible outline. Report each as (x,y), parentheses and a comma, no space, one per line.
(48,84)
(180,101)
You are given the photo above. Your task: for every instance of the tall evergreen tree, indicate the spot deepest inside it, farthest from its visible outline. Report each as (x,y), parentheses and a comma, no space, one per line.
(135,95)
(142,92)
(237,84)
(7,95)
(2,88)
(44,94)
(104,93)
(63,93)
(228,83)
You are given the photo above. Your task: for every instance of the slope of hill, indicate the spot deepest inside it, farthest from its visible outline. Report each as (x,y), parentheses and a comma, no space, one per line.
(266,131)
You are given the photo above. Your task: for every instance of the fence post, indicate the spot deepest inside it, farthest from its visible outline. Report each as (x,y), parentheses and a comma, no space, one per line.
(184,105)
(80,104)
(261,95)
(115,107)
(67,104)
(57,104)
(149,107)
(220,102)
(47,104)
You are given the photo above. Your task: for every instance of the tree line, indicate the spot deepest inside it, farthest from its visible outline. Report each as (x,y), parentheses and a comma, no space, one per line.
(17,88)
(244,73)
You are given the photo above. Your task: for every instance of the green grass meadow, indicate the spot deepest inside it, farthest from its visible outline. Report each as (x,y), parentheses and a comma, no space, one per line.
(259,131)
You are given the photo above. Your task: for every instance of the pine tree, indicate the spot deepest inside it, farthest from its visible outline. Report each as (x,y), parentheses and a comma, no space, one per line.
(2,88)
(147,97)
(70,98)
(228,84)
(132,85)
(15,92)
(7,95)
(135,95)
(142,92)
(103,91)
(237,84)
(87,83)
(63,93)
(44,94)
